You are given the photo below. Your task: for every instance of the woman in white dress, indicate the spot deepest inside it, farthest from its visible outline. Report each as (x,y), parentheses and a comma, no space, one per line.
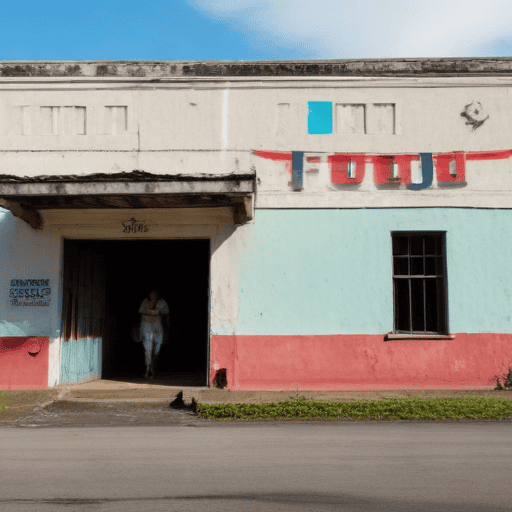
(154,314)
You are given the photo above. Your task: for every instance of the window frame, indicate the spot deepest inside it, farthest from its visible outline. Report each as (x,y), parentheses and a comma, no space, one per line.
(440,275)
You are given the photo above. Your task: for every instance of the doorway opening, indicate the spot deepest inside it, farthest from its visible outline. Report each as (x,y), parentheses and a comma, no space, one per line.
(179,270)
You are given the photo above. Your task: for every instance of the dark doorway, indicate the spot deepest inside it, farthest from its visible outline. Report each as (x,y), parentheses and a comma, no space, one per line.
(179,270)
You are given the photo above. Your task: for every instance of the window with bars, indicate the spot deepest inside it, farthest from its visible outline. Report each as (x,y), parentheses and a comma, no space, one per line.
(419,283)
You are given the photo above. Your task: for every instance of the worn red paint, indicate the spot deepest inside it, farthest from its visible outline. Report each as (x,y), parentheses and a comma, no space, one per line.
(382,168)
(360,361)
(443,161)
(24,362)
(489,155)
(339,168)
(286,157)
(382,165)
(275,155)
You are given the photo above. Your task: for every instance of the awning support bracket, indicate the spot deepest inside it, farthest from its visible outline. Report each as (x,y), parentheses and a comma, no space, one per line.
(243,212)
(31,217)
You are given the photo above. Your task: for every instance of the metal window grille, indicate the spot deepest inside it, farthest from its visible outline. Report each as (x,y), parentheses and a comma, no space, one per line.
(419,283)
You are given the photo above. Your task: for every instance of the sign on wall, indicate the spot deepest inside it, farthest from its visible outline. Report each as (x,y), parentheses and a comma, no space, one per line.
(133,226)
(30,292)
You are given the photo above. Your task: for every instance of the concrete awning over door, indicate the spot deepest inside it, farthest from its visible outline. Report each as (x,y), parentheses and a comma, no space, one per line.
(26,197)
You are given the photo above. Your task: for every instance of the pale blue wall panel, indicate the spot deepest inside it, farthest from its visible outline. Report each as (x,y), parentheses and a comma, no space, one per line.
(80,360)
(329,271)
(28,254)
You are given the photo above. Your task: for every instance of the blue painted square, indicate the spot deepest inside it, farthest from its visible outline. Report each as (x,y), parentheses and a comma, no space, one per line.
(319,117)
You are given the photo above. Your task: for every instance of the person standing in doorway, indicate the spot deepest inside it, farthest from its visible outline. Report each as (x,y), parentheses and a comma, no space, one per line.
(154,313)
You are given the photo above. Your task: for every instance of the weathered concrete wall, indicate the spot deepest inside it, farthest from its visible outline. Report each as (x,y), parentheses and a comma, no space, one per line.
(80,360)
(309,281)
(314,300)
(247,117)
(314,272)
(339,67)
(232,127)
(29,254)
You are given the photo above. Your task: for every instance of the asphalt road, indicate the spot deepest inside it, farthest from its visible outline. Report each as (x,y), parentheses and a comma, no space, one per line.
(411,467)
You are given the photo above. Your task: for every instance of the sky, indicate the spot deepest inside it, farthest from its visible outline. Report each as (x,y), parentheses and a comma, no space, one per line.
(253,29)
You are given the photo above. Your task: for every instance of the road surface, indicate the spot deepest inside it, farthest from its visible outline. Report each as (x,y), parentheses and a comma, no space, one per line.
(413,467)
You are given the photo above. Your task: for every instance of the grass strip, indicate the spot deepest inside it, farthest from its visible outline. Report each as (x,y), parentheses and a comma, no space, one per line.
(415,408)
(2,401)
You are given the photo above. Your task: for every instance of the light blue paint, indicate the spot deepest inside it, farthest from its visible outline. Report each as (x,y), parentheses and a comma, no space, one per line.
(80,360)
(27,253)
(319,117)
(315,272)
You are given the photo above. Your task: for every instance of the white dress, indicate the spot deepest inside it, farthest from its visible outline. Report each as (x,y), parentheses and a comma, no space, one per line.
(152,332)
(161,308)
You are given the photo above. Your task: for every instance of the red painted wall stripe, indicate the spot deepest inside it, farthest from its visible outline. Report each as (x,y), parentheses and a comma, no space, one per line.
(382,165)
(489,155)
(275,155)
(360,361)
(24,362)
(469,155)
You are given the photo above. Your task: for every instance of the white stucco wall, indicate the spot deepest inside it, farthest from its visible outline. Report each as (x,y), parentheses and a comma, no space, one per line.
(184,117)
(213,127)
(28,254)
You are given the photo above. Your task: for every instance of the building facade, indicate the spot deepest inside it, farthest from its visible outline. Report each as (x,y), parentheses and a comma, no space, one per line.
(312,225)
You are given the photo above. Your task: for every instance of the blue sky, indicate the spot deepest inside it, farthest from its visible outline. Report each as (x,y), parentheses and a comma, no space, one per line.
(254,29)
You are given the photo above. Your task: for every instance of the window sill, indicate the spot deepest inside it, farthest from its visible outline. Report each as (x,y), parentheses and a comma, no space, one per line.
(395,336)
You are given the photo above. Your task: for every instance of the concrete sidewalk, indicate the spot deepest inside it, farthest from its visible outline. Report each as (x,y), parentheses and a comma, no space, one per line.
(109,390)
(142,395)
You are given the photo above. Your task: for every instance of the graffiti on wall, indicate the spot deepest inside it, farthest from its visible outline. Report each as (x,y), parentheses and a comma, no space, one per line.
(415,171)
(474,114)
(133,226)
(30,292)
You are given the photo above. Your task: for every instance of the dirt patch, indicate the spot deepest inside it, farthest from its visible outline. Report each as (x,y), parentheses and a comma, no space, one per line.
(22,403)
(95,414)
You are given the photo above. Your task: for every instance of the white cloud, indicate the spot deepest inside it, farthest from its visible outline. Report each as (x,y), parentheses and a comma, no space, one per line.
(372,28)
